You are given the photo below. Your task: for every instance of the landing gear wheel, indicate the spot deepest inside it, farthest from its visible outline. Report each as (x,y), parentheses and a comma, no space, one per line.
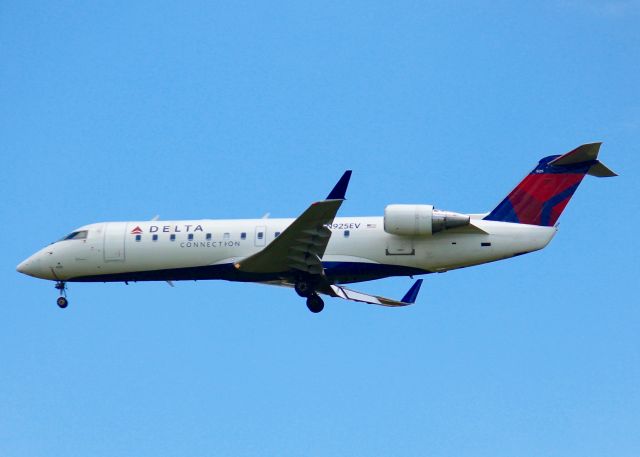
(62,299)
(303,288)
(315,303)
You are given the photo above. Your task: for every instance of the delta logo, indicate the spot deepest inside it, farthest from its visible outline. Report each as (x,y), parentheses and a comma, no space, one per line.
(168,229)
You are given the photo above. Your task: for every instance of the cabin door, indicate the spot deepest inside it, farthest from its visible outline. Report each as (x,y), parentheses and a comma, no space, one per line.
(114,234)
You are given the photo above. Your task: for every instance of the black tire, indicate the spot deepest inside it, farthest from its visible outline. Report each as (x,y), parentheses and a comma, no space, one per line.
(315,304)
(303,289)
(62,302)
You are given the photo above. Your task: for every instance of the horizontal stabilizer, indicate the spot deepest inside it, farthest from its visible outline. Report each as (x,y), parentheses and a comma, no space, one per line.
(583,153)
(600,170)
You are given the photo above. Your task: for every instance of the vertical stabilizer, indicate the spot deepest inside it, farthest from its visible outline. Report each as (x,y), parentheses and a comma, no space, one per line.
(543,194)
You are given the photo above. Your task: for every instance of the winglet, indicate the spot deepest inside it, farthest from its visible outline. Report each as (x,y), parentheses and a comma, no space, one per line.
(340,189)
(412,294)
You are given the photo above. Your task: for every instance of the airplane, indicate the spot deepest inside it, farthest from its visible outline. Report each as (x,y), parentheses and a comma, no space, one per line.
(317,253)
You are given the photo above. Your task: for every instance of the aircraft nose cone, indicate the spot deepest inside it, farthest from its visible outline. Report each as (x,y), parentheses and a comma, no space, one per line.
(23,267)
(30,267)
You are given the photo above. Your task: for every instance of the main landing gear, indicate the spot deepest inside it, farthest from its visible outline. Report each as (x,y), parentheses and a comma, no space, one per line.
(62,301)
(303,288)
(306,290)
(315,303)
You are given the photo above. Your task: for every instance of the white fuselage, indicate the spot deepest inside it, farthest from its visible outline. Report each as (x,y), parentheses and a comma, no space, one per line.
(359,249)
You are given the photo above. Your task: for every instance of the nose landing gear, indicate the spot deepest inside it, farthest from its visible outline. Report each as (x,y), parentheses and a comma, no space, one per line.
(62,301)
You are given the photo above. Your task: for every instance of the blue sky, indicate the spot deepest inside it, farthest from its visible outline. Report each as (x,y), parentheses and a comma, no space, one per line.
(125,110)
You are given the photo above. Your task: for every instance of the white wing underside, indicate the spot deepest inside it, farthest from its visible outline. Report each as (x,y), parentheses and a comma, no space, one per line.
(348,294)
(336,291)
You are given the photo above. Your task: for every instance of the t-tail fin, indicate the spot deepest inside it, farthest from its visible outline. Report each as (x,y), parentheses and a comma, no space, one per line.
(542,196)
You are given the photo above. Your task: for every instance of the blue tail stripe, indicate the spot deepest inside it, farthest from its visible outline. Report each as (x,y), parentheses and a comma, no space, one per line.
(548,206)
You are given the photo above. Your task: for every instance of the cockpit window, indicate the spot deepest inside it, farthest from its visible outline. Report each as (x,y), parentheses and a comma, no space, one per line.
(79,235)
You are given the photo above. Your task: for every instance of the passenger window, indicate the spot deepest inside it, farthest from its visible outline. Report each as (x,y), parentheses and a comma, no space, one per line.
(155,237)
(190,237)
(346,233)
(208,236)
(243,236)
(138,237)
(277,234)
(172,237)
(260,235)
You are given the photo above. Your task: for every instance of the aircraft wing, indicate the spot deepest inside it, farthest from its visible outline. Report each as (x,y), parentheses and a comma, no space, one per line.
(348,294)
(301,246)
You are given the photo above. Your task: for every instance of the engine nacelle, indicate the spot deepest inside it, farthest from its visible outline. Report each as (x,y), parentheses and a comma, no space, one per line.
(420,220)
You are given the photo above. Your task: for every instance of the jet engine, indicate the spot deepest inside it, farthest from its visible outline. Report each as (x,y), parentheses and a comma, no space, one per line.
(420,220)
